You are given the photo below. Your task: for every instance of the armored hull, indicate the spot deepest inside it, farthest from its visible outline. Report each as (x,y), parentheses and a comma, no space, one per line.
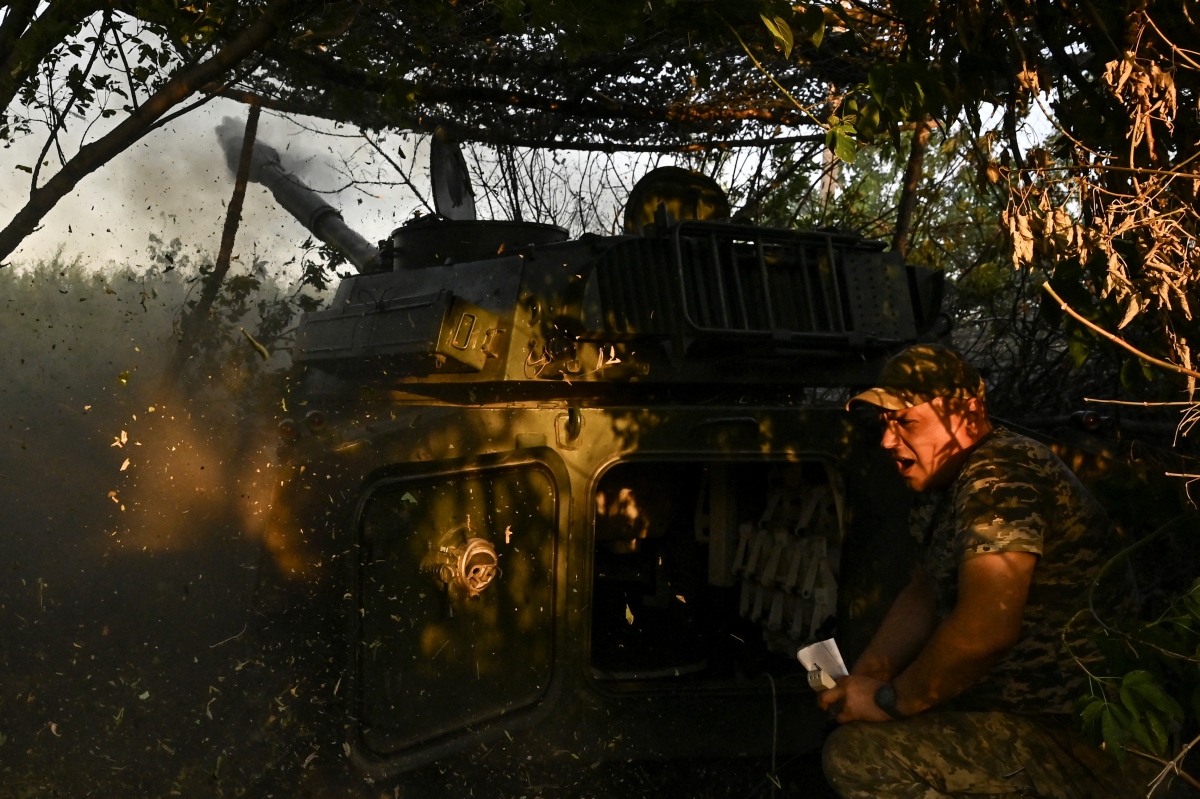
(591,496)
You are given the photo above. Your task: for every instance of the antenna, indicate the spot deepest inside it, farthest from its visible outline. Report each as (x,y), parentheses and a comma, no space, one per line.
(452,195)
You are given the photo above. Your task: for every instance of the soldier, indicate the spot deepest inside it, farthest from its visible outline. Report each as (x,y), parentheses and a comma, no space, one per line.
(967,687)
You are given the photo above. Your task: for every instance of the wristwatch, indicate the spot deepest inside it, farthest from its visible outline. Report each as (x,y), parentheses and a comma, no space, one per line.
(885,697)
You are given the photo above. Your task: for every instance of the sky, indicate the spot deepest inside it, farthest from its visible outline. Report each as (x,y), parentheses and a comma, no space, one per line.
(175,183)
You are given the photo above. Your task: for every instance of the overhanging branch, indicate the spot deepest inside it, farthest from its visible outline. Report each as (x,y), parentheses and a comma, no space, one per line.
(96,154)
(430,124)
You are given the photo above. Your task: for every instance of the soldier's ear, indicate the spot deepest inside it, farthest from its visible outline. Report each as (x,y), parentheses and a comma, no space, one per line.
(977,419)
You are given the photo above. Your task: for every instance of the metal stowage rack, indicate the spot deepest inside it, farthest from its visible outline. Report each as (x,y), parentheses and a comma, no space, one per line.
(711,281)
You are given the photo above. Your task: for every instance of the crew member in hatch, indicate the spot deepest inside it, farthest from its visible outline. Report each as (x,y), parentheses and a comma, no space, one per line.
(966,688)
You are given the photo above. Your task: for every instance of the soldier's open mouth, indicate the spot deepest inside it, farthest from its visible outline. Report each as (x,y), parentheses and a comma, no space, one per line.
(904,464)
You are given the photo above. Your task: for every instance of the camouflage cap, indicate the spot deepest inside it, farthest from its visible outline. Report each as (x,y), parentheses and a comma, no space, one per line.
(916,375)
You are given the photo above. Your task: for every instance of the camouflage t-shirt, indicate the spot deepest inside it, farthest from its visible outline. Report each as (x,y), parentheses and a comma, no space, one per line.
(1014,495)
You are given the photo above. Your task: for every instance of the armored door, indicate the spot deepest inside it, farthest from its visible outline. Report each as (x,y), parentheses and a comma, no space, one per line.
(454,637)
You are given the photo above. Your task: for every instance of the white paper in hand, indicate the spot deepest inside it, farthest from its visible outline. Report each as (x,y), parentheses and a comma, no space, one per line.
(824,663)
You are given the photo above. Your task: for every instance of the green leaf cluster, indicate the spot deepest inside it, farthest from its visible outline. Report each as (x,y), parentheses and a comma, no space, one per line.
(1155,700)
(811,21)
(253,295)
(1145,715)
(840,139)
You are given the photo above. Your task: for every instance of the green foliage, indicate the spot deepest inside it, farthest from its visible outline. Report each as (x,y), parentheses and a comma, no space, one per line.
(1104,186)
(1132,711)
(1147,646)
(253,297)
(809,19)
(68,323)
(99,61)
(782,33)
(318,267)
(840,139)
(898,93)
(1039,362)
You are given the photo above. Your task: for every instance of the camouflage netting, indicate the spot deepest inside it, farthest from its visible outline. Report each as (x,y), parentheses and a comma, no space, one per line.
(619,81)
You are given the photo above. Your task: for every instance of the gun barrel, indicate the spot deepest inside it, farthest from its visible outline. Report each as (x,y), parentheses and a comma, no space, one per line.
(322,219)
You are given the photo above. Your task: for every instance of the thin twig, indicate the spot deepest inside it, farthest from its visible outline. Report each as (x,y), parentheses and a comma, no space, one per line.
(403,177)
(1138,404)
(1188,778)
(825,170)
(59,119)
(1100,167)
(232,637)
(1170,43)
(771,78)
(1174,766)
(128,72)
(1120,342)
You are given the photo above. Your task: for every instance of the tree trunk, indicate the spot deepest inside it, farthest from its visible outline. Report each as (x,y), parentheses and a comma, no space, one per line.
(829,176)
(908,193)
(194,321)
(98,153)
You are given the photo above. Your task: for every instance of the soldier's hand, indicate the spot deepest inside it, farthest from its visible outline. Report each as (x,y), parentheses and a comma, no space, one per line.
(853,700)
(831,700)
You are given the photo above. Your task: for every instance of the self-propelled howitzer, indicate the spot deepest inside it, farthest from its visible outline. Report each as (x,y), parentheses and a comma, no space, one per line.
(591,493)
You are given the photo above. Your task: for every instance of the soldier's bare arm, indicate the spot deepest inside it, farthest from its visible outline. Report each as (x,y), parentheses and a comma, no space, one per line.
(906,628)
(985,623)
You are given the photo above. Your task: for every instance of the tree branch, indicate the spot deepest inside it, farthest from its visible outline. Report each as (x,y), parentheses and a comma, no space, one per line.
(195,320)
(1174,766)
(128,72)
(1120,342)
(465,134)
(206,97)
(98,153)
(1138,404)
(38,39)
(405,177)
(253,98)
(19,17)
(325,69)
(59,118)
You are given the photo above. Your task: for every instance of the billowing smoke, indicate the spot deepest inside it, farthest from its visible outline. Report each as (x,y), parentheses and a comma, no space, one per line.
(229,134)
